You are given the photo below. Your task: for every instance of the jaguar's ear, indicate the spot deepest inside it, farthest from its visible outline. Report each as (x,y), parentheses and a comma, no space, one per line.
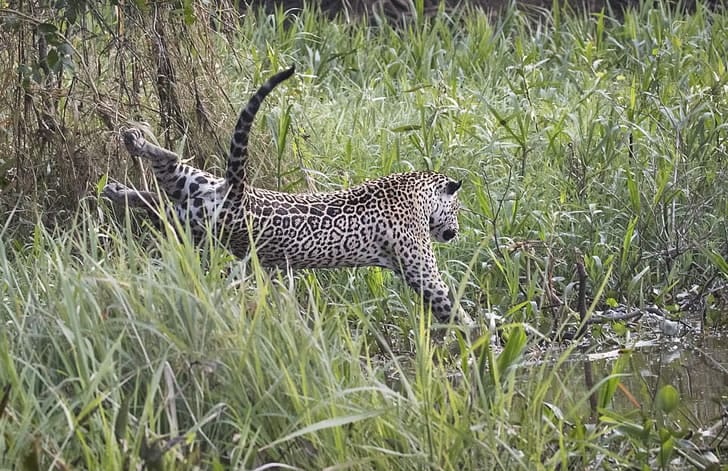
(453,186)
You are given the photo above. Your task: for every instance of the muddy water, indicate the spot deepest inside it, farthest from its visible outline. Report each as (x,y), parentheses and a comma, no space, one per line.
(697,367)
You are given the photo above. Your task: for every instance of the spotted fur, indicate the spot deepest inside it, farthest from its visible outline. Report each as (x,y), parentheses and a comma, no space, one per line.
(236,174)
(387,222)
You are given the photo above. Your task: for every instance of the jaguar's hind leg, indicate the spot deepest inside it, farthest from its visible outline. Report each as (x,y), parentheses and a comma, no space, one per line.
(137,146)
(126,197)
(122,194)
(166,164)
(182,183)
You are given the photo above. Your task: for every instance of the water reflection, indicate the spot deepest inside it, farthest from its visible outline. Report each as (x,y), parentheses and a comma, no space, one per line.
(697,367)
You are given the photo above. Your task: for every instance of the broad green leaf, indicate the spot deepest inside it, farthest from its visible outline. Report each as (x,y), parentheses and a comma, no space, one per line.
(101,184)
(511,354)
(667,399)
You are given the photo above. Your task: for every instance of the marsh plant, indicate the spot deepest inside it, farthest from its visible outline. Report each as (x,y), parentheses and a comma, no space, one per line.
(592,140)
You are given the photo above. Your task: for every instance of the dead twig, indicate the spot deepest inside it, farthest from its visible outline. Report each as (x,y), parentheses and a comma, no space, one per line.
(581,309)
(617,317)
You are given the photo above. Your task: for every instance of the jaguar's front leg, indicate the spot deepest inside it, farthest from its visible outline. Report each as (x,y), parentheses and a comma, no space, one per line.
(419,269)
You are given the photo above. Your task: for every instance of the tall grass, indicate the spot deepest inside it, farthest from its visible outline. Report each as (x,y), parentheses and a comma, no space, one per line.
(111,355)
(578,136)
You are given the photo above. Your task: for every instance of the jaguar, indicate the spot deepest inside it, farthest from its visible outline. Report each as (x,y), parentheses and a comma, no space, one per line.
(388,222)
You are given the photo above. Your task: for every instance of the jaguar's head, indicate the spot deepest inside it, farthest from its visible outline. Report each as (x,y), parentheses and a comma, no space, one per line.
(444,216)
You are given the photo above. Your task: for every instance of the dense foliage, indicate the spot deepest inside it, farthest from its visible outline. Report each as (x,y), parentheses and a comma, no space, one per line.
(581,138)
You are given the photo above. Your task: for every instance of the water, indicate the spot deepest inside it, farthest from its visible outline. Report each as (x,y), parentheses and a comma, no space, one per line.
(697,367)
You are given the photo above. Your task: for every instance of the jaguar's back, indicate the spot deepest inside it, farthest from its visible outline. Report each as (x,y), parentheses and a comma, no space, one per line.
(370,224)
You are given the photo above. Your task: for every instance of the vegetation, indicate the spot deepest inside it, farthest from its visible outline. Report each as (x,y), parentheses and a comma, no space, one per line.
(584,140)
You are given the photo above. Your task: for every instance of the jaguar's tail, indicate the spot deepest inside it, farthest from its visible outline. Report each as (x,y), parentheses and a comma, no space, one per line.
(236,174)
